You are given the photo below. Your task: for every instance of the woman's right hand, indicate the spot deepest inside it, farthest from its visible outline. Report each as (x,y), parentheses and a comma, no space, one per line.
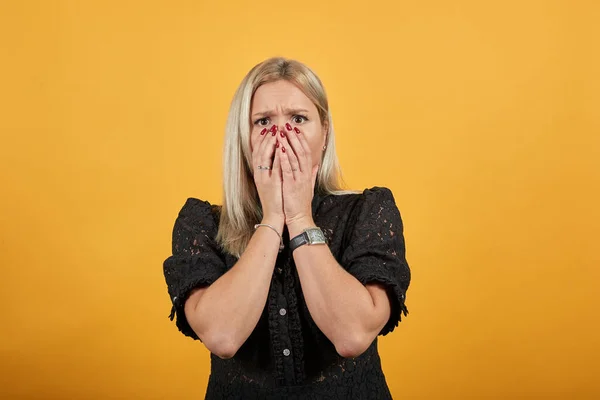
(268,182)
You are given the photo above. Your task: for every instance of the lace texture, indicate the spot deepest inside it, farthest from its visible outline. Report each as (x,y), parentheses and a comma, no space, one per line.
(287,356)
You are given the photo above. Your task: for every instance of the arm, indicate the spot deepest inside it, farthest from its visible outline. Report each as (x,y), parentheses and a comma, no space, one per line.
(224,314)
(349,313)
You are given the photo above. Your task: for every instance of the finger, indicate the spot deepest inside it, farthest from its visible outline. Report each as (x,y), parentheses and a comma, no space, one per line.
(267,149)
(307,162)
(259,160)
(270,137)
(292,157)
(286,168)
(256,140)
(302,139)
(276,171)
(299,151)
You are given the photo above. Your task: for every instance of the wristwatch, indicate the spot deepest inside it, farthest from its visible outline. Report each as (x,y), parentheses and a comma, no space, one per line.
(308,236)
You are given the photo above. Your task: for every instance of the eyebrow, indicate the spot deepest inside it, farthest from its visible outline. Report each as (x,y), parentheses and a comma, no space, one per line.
(288,111)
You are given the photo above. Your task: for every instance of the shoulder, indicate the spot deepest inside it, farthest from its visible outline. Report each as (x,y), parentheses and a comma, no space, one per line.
(196,206)
(373,206)
(359,205)
(378,194)
(379,197)
(196,212)
(367,197)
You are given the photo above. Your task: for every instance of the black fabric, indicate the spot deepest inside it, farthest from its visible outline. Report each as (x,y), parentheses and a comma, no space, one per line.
(365,234)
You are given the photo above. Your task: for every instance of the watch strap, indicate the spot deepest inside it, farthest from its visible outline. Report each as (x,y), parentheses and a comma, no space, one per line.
(298,241)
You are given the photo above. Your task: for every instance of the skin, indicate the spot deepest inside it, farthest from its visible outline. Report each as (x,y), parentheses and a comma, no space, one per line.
(224,314)
(280,103)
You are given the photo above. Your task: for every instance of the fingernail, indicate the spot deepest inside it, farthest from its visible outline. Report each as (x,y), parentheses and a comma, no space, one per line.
(273,129)
(297,130)
(263,131)
(282,133)
(283,148)
(288,126)
(277,144)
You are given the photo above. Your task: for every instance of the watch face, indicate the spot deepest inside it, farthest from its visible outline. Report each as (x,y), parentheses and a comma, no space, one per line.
(315,236)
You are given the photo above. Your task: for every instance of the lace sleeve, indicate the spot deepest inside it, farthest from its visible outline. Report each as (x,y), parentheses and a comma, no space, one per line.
(196,259)
(376,251)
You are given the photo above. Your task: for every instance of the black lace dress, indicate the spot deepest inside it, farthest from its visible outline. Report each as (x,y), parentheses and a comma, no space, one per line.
(287,356)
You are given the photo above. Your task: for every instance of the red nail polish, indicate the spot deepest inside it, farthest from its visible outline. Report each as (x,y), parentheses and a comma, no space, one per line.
(263,131)
(288,126)
(297,130)
(273,129)
(282,133)
(283,148)
(277,144)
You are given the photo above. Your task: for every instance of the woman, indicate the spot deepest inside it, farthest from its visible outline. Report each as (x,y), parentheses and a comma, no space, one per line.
(291,280)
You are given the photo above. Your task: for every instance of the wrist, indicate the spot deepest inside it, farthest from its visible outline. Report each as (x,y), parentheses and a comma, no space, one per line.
(296,226)
(275,221)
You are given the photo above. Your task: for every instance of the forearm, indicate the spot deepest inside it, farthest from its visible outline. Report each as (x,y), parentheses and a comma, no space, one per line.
(229,309)
(340,305)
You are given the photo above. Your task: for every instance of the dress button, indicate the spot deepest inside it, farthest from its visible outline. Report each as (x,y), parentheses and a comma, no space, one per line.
(286,352)
(282,311)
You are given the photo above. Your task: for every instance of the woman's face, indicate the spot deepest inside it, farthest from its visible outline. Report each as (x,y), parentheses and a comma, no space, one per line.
(281,102)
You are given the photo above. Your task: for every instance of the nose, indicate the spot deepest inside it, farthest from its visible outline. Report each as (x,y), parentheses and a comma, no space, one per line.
(280,123)
(279,120)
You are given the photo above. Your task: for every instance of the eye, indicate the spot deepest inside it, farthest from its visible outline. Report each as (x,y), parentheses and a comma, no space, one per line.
(298,119)
(262,122)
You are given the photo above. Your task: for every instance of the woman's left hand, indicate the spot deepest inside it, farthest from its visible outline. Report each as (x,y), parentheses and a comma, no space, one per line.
(298,176)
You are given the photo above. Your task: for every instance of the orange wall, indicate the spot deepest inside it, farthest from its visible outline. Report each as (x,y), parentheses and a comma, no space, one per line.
(482,117)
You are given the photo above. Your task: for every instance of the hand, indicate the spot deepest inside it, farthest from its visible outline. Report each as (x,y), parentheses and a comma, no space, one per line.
(298,177)
(268,183)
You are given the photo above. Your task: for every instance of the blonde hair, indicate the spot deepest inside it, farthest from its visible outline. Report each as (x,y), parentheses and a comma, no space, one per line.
(241,206)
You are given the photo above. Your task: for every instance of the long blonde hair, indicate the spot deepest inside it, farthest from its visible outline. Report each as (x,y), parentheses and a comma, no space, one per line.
(241,206)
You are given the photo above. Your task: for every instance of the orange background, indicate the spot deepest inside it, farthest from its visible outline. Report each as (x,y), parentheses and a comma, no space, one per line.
(482,117)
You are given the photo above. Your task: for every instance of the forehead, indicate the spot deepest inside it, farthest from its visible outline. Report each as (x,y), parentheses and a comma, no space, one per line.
(278,94)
